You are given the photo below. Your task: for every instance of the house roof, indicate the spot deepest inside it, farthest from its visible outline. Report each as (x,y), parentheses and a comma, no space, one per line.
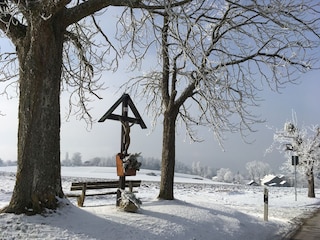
(267,178)
(272,180)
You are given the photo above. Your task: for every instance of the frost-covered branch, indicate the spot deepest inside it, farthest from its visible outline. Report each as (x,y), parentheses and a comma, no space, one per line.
(219,55)
(302,142)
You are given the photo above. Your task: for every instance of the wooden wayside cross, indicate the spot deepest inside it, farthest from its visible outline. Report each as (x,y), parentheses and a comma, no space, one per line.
(126,123)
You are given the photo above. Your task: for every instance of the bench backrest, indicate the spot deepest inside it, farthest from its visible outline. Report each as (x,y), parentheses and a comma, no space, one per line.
(100,185)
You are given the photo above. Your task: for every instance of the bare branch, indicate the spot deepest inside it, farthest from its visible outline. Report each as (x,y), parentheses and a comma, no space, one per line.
(216,53)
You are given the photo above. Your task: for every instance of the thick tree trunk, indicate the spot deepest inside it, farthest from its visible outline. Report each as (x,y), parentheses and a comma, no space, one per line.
(168,157)
(311,192)
(38,180)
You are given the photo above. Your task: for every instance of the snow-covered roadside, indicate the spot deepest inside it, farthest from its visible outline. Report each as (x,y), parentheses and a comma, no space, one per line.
(204,210)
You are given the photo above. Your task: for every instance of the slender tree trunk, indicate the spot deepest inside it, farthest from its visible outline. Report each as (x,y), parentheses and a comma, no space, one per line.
(311,192)
(168,156)
(38,183)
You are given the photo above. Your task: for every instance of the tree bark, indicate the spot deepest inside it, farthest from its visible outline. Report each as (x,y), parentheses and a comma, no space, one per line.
(168,156)
(38,180)
(311,193)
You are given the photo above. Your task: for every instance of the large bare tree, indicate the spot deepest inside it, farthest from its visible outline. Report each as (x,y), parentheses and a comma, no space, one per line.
(54,41)
(215,57)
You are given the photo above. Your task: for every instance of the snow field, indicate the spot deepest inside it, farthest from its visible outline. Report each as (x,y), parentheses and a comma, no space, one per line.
(203,209)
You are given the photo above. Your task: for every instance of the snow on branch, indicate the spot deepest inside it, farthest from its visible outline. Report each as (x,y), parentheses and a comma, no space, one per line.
(303,142)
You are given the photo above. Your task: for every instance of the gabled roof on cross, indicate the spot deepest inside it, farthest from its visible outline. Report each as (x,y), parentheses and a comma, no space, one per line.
(125,98)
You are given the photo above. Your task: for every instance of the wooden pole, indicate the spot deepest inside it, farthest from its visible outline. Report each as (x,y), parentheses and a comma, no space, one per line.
(295,162)
(265,200)
(122,179)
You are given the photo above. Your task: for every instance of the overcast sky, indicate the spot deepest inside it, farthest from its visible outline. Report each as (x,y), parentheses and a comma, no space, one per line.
(103,139)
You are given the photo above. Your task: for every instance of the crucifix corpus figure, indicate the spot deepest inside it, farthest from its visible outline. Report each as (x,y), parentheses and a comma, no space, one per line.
(126,136)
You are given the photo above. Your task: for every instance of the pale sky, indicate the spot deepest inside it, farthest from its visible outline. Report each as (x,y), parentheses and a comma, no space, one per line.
(103,139)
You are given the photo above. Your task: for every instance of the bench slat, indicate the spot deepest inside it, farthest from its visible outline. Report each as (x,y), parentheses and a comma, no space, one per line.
(75,188)
(94,183)
(101,194)
(100,185)
(103,182)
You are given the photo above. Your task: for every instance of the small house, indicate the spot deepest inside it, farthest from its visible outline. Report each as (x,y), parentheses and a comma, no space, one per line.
(274,181)
(252,183)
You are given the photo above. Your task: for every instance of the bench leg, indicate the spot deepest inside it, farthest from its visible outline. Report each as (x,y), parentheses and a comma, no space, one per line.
(80,201)
(81,198)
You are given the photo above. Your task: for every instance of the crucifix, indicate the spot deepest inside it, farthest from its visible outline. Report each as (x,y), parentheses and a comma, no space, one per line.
(123,168)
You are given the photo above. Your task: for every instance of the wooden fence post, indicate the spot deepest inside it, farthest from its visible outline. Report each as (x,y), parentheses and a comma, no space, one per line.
(265,200)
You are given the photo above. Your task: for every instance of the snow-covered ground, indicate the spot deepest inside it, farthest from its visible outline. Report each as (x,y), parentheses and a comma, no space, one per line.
(203,209)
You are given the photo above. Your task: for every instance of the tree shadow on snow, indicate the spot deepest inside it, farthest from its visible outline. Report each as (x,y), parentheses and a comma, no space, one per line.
(156,220)
(71,222)
(201,222)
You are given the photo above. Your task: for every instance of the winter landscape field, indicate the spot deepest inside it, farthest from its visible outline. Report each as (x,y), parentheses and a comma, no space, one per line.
(203,209)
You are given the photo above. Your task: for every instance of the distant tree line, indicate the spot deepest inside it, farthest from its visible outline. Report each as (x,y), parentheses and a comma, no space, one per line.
(255,169)
(147,163)
(7,163)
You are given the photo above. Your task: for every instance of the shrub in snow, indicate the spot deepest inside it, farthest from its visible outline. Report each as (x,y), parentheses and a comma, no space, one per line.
(129,202)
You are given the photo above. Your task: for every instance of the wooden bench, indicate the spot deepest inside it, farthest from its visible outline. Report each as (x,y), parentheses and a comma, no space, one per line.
(85,186)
